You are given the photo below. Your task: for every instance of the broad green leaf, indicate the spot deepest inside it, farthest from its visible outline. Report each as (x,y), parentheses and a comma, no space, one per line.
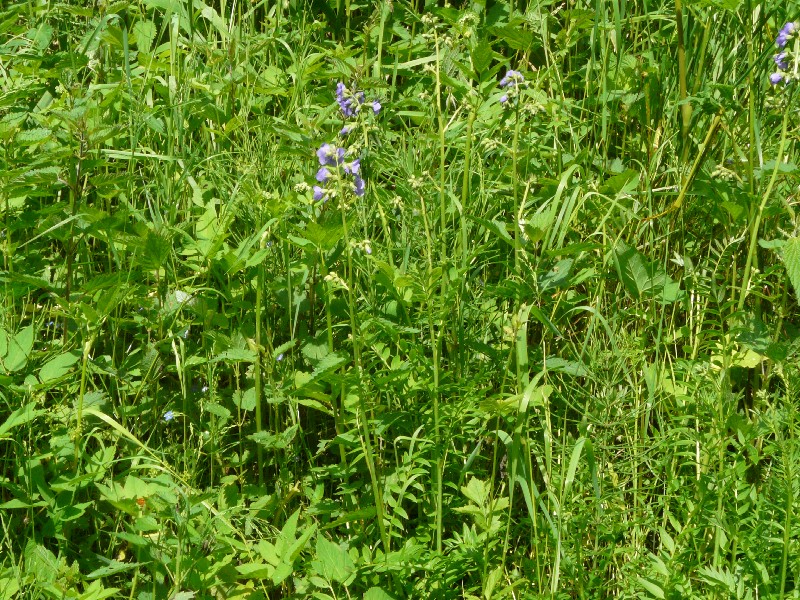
(15,503)
(324,236)
(57,367)
(652,588)
(643,279)
(376,593)
(477,491)
(96,591)
(22,415)
(18,349)
(282,571)
(333,562)
(40,562)
(573,465)
(112,568)
(144,32)
(255,570)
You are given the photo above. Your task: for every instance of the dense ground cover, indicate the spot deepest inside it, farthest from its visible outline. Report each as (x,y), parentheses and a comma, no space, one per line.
(345,299)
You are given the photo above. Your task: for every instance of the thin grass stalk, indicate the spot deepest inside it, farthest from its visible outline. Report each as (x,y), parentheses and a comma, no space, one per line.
(788,447)
(87,348)
(436,335)
(258,366)
(369,455)
(685,107)
(756,222)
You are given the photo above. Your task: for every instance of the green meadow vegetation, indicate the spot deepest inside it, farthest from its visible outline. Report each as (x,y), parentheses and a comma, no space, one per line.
(398,299)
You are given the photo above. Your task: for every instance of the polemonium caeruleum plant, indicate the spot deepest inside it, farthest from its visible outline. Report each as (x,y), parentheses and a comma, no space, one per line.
(336,172)
(511,84)
(335,169)
(786,59)
(350,103)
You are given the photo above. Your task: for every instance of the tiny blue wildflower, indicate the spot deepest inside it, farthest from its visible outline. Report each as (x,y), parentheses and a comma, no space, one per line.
(319,192)
(330,155)
(503,98)
(280,357)
(345,103)
(512,78)
(323,174)
(346,130)
(168,416)
(785,34)
(358,186)
(780,61)
(376,107)
(353,167)
(776,78)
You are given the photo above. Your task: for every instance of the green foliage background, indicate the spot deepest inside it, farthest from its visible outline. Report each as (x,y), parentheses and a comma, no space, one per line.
(551,353)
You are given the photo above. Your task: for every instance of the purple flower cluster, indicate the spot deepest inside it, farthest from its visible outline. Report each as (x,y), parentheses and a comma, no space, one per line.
(333,164)
(785,56)
(511,83)
(350,103)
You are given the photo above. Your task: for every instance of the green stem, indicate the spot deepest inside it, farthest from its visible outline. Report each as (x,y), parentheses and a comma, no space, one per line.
(258,364)
(365,427)
(686,107)
(436,336)
(87,348)
(756,223)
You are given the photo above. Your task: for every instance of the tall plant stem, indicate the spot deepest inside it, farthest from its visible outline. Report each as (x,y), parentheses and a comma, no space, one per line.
(685,107)
(87,349)
(436,339)
(259,360)
(517,207)
(465,187)
(337,410)
(369,456)
(756,222)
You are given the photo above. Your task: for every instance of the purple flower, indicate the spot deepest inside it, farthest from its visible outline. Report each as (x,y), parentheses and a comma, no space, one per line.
(345,103)
(330,155)
(323,174)
(785,34)
(353,167)
(503,98)
(376,107)
(346,130)
(168,416)
(319,192)
(776,78)
(780,61)
(512,79)
(358,186)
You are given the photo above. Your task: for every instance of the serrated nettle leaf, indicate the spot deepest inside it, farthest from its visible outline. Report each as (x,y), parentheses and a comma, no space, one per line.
(791,260)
